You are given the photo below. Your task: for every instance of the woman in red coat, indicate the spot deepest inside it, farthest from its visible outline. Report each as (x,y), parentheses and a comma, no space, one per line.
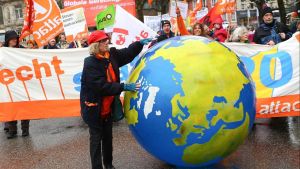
(220,34)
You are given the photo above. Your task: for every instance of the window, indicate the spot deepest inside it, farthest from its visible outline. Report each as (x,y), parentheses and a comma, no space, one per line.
(6,14)
(19,12)
(204,3)
(1,17)
(213,2)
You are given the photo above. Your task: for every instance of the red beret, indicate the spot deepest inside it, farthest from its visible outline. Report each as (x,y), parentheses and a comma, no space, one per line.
(96,36)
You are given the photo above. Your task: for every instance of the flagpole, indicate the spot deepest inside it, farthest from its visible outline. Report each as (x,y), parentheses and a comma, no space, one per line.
(229,26)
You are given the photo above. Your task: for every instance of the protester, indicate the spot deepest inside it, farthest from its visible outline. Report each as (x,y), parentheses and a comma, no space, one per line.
(294,20)
(220,34)
(197,29)
(240,34)
(31,44)
(62,43)
(271,32)
(251,32)
(79,44)
(163,34)
(206,32)
(298,26)
(166,29)
(12,41)
(100,83)
(51,44)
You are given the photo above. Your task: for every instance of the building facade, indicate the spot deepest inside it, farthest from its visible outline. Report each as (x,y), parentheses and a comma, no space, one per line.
(11,14)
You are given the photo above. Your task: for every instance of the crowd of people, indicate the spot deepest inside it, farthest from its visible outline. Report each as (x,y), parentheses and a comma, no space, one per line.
(100,81)
(270,32)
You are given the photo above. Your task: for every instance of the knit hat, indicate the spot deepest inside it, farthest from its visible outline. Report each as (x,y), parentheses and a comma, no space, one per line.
(9,35)
(164,22)
(266,10)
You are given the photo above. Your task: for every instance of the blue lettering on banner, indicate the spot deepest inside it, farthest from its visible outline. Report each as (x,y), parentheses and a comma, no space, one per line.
(265,74)
(286,69)
(77,81)
(124,73)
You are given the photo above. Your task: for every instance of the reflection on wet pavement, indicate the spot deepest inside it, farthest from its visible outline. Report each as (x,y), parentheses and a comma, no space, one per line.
(63,144)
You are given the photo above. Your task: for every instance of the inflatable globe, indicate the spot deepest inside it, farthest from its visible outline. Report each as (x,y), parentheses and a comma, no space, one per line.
(196,103)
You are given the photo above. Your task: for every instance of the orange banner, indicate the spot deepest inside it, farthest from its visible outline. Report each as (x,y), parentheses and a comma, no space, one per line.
(278,106)
(92,8)
(39,109)
(47,22)
(266,108)
(225,6)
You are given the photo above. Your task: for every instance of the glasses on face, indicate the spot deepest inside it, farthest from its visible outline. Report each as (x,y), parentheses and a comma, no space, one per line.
(103,40)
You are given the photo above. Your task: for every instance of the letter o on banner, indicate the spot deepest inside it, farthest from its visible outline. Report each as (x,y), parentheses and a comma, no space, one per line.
(286,69)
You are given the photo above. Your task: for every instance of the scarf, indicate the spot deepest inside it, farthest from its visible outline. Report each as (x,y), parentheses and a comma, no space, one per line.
(111,77)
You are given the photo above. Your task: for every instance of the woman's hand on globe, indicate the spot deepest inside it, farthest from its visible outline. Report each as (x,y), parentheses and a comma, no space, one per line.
(133,87)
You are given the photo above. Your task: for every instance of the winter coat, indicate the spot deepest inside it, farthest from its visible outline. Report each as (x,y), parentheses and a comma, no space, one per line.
(266,32)
(220,35)
(161,37)
(51,47)
(94,85)
(73,45)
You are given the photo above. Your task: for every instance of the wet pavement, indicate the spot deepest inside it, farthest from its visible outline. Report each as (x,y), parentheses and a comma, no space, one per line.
(64,144)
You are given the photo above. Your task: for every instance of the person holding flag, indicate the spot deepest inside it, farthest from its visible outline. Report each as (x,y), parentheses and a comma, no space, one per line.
(100,84)
(197,29)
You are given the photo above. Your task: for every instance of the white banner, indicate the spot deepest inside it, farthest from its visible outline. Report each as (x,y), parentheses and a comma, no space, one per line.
(183,6)
(74,22)
(38,83)
(200,14)
(128,29)
(154,22)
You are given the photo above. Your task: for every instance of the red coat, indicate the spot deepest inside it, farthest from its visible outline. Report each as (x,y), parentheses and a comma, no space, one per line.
(220,35)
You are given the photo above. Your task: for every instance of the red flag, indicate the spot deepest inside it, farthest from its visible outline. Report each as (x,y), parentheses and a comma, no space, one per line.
(150,2)
(192,14)
(211,17)
(225,6)
(28,20)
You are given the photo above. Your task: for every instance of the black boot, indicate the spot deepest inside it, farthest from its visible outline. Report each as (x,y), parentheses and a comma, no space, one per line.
(6,129)
(25,128)
(12,127)
(109,166)
(11,134)
(25,132)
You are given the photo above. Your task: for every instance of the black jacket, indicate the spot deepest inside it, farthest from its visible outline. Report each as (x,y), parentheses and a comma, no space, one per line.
(263,33)
(94,84)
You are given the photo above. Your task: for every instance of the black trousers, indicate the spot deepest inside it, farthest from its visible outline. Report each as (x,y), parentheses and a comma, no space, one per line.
(12,125)
(101,144)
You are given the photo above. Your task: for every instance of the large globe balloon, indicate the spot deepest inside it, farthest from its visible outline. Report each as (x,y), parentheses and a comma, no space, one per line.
(196,104)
